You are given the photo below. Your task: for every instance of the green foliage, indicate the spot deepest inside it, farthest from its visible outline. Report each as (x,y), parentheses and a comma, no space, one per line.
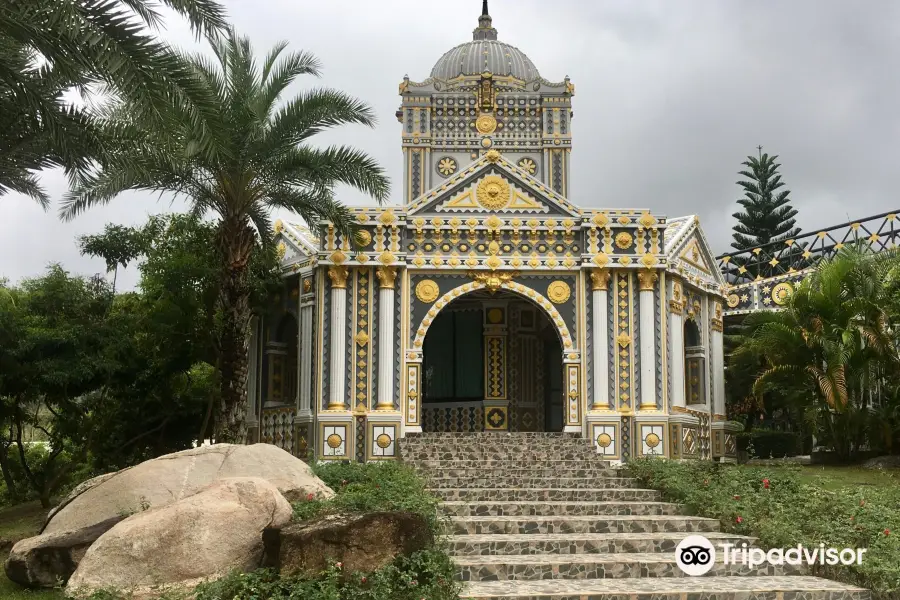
(48,47)
(832,354)
(790,512)
(370,487)
(767,215)
(251,156)
(425,575)
(52,353)
(763,443)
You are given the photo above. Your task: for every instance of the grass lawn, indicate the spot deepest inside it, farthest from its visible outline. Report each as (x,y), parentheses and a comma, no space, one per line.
(21,521)
(12,591)
(836,478)
(782,506)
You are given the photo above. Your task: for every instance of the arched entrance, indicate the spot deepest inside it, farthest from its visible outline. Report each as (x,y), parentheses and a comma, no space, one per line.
(492,361)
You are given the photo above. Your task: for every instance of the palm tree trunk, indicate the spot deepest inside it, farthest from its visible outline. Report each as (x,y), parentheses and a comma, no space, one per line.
(236,241)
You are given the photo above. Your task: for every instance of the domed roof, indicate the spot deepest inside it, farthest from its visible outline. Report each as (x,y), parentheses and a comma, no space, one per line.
(485,53)
(477,56)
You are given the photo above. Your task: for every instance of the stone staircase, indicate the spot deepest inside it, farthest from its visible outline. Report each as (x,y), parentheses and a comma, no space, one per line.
(535,516)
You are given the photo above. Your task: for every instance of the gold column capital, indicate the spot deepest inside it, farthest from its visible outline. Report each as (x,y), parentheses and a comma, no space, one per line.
(386,276)
(338,276)
(647,279)
(600,279)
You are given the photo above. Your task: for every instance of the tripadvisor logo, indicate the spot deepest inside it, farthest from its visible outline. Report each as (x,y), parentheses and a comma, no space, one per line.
(696,555)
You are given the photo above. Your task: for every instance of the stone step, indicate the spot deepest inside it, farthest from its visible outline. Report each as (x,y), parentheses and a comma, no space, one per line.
(501,456)
(523,472)
(547,494)
(549,509)
(496,442)
(667,588)
(593,462)
(582,524)
(452,435)
(598,566)
(575,543)
(531,482)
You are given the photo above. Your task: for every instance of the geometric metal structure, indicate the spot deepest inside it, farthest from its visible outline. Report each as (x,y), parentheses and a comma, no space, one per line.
(764,278)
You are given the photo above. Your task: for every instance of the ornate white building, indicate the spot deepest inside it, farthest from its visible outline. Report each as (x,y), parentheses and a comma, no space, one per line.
(490,299)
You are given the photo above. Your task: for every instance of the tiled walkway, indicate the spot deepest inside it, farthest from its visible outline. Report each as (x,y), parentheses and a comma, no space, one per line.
(538,517)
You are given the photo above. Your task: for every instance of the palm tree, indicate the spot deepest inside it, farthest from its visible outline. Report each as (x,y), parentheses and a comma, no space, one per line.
(835,342)
(255,157)
(50,46)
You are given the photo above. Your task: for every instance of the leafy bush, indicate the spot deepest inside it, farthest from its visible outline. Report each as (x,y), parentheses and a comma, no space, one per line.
(426,575)
(774,505)
(370,487)
(38,456)
(763,443)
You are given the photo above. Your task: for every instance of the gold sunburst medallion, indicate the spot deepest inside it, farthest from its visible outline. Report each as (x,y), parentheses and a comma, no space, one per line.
(782,292)
(493,192)
(486,124)
(558,292)
(604,440)
(334,441)
(652,440)
(427,291)
(383,441)
(733,300)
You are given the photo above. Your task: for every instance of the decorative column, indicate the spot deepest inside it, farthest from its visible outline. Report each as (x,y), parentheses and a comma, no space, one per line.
(307,352)
(338,366)
(599,287)
(676,334)
(386,276)
(717,347)
(647,279)
(496,399)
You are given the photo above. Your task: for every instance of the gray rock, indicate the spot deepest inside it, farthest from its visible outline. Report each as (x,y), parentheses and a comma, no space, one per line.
(46,560)
(361,542)
(179,545)
(170,478)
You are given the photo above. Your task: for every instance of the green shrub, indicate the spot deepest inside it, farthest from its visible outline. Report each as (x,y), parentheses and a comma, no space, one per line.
(763,443)
(370,487)
(426,575)
(772,504)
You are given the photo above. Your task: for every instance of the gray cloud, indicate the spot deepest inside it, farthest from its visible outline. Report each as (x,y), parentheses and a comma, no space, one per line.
(670,99)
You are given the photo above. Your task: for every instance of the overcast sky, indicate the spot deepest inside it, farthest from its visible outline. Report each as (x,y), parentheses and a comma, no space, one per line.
(670,98)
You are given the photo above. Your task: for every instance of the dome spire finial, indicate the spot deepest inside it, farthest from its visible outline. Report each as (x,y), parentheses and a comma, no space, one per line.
(485,30)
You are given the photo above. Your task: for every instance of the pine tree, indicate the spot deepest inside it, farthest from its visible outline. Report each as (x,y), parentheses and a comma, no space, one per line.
(767,216)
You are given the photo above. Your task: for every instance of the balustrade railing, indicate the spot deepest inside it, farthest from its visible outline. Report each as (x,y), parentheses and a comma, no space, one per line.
(875,234)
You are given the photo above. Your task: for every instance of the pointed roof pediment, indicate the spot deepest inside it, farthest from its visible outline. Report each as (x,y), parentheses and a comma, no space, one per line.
(296,245)
(686,247)
(492,184)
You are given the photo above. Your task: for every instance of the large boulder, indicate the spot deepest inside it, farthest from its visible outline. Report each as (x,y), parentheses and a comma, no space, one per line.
(361,542)
(183,543)
(170,478)
(46,560)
